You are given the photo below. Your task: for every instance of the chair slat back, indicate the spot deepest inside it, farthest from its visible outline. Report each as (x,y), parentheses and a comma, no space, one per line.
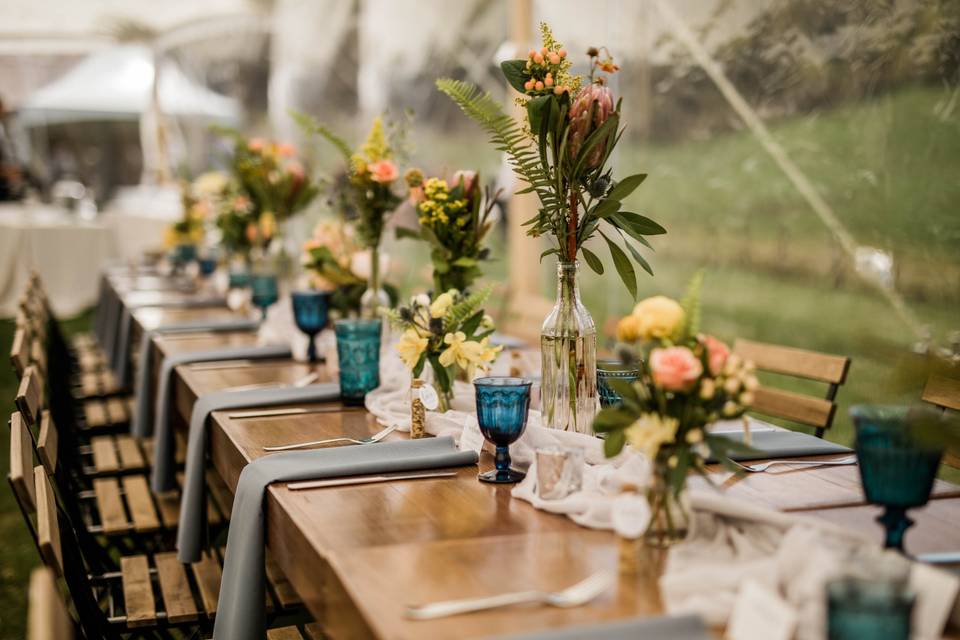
(944,392)
(47,442)
(20,351)
(790,361)
(47,617)
(21,463)
(30,394)
(48,524)
(800,363)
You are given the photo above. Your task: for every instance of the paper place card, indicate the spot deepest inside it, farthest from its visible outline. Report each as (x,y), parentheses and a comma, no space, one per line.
(936,594)
(759,613)
(470,438)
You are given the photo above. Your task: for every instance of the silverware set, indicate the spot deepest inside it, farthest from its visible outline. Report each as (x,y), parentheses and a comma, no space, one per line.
(343,482)
(377,437)
(763,466)
(302,382)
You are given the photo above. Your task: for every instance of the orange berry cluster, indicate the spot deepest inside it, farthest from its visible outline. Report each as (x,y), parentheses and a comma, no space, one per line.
(543,67)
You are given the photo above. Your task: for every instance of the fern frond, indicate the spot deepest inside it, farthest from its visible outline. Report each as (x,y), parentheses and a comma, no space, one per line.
(393,317)
(461,312)
(691,306)
(311,126)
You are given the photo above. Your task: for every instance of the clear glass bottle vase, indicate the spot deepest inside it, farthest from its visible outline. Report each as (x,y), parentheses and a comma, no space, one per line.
(375,296)
(568,346)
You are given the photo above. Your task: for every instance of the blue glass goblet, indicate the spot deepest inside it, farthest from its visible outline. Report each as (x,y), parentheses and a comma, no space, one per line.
(358,350)
(238,279)
(182,255)
(310,313)
(613,370)
(207,266)
(860,608)
(502,407)
(896,469)
(265,292)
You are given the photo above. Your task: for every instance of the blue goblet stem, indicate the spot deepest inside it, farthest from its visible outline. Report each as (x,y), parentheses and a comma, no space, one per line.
(501,459)
(895,521)
(312,347)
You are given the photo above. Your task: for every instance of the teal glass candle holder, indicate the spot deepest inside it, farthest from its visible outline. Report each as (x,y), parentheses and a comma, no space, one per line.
(310,314)
(896,469)
(859,608)
(503,405)
(358,350)
(608,370)
(238,279)
(265,291)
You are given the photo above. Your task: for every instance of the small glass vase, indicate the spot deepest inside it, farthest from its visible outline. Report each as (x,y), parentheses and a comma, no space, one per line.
(669,508)
(568,346)
(375,296)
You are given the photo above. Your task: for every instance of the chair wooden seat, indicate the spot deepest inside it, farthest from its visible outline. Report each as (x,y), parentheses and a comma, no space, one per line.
(107,414)
(804,409)
(944,392)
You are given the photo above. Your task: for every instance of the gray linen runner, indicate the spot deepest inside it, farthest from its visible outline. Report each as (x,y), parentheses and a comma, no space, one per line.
(240,610)
(163,452)
(120,357)
(141,389)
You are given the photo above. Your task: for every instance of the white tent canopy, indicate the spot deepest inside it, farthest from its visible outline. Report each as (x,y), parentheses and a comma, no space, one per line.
(116,84)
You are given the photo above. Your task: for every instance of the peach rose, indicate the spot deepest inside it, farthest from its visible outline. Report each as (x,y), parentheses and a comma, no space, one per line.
(285,150)
(383,171)
(256,144)
(717,353)
(675,368)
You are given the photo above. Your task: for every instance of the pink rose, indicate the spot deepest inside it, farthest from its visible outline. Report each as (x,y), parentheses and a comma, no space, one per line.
(295,169)
(717,353)
(675,368)
(383,171)
(256,144)
(286,150)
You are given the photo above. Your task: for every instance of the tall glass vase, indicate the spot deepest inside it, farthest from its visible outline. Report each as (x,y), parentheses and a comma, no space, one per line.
(568,346)
(375,296)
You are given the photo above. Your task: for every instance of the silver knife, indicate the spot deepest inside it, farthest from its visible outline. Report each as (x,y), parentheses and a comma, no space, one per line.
(293,411)
(342,482)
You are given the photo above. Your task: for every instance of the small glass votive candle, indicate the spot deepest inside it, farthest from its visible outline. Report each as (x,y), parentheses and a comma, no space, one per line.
(559,472)
(358,351)
(613,370)
(866,607)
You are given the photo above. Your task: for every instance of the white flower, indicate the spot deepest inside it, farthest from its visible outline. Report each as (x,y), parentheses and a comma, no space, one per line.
(420,300)
(731,385)
(441,305)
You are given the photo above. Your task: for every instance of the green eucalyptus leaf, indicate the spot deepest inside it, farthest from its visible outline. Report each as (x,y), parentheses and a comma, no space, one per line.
(607,207)
(624,267)
(592,260)
(465,262)
(548,252)
(626,186)
(614,443)
(513,72)
(642,224)
(403,232)
(471,323)
(612,418)
(638,257)
(537,109)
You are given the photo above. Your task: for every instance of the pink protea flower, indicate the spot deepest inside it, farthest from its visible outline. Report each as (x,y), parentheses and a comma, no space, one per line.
(383,171)
(581,125)
(675,368)
(717,353)
(469,181)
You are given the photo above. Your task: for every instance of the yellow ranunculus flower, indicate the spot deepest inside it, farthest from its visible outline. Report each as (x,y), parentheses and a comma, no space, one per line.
(628,329)
(466,354)
(411,346)
(441,305)
(489,353)
(268,224)
(650,432)
(658,317)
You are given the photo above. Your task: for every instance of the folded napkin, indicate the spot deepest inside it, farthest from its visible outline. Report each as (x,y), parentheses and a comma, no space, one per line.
(120,359)
(142,383)
(162,431)
(113,309)
(783,444)
(240,611)
(665,627)
(100,311)
(192,508)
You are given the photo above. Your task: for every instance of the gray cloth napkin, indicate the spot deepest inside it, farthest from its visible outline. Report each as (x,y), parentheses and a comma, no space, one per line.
(687,627)
(142,388)
(120,360)
(783,444)
(163,451)
(240,611)
(111,322)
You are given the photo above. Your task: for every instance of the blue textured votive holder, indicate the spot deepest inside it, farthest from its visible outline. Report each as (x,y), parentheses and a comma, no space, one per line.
(310,314)
(238,279)
(858,608)
(358,350)
(613,370)
(896,469)
(503,405)
(265,291)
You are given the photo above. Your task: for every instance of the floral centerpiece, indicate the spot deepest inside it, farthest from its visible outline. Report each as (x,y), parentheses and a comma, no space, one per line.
(336,264)
(189,229)
(454,218)
(451,333)
(561,148)
(687,381)
(367,193)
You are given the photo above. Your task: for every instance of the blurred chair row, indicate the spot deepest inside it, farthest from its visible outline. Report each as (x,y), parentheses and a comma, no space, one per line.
(98,527)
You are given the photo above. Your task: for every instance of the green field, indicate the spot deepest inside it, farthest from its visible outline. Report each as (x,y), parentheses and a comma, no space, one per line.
(890,168)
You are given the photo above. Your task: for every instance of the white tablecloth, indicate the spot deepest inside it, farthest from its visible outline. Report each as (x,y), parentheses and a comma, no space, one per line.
(68,253)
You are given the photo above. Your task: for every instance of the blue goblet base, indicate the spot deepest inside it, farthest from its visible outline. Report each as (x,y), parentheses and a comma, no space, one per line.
(498,476)
(352,402)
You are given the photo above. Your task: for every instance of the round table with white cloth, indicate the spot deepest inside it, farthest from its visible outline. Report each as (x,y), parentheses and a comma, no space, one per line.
(67,252)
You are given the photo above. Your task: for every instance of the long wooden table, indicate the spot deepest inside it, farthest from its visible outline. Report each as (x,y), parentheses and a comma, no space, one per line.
(358,555)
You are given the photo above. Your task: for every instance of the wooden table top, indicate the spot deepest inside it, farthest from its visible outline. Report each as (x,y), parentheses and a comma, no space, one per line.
(357,555)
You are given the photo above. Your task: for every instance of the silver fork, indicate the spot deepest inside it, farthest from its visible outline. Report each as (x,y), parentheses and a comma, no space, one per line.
(579,594)
(377,437)
(763,466)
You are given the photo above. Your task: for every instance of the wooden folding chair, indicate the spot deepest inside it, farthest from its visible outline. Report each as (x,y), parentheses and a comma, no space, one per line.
(48,617)
(944,393)
(800,363)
